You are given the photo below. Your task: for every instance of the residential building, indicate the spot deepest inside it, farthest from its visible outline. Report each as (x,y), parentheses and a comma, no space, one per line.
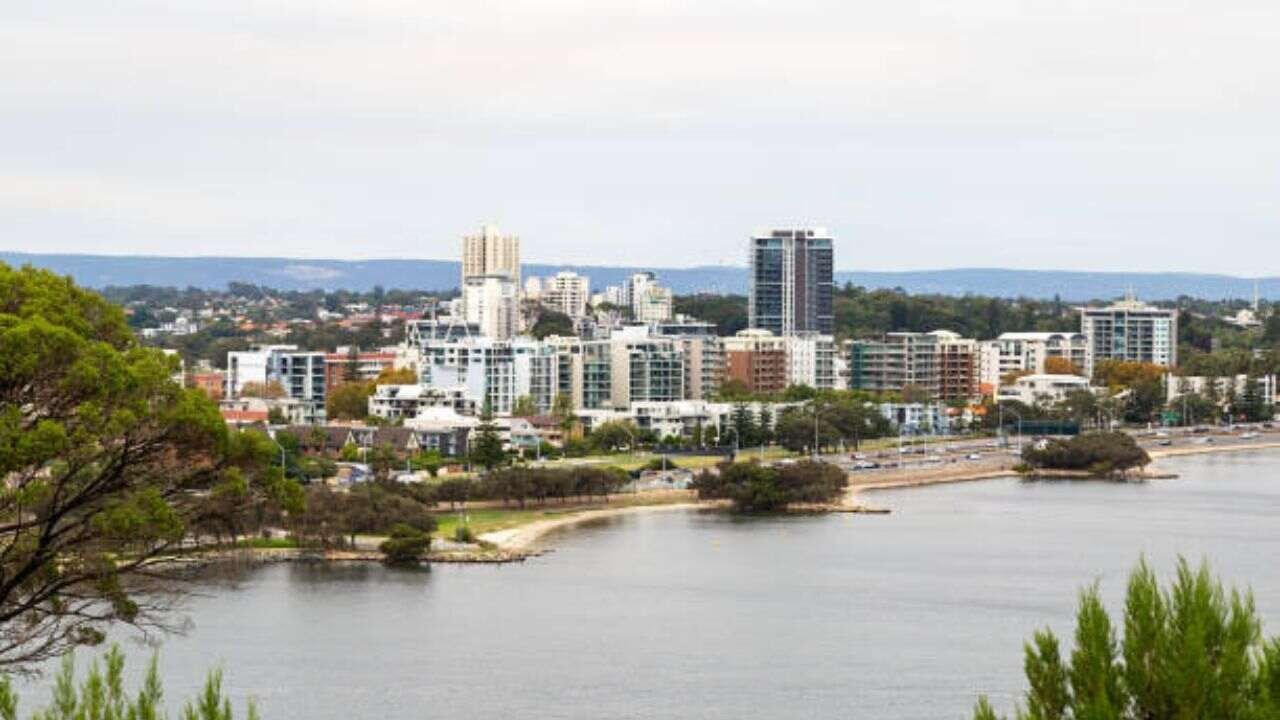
(703,350)
(497,372)
(490,253)
(1129,330)
(301,374)
(401,402)
(211,382)
(811,360)
(896,361)
(939,363)
(649,301)
(567,292)
(1043,389)
(917,418)
(791,281)
(1027,353)
(1220,387)
(345,365)
(643,367)
(758,359)
(490,303)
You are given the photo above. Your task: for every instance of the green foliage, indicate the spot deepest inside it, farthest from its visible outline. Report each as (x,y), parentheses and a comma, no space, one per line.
(1191,650)
(101,695)
(371,507)
(406,545)
(104,459)
(1102,453)
(551,322)
(486,446)
(614,435)
(760,488)
(349,401)
(464,534)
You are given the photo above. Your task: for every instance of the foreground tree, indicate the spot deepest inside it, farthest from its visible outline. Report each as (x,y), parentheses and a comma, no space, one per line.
(104,460)
(1192,650)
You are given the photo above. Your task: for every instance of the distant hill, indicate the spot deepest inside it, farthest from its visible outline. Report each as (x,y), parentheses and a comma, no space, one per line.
(293,274)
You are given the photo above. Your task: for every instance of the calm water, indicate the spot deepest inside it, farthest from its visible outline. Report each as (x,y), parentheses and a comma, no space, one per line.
(688,614)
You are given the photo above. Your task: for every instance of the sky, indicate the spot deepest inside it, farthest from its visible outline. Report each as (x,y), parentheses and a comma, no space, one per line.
(1074,134)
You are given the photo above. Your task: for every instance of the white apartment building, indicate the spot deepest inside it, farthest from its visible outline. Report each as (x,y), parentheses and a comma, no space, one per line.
(649,302)
(811,360)
(1129,330)
(402,402)
(1043,389)
(567,292)
(492,371)
(490,303)
(1027,352)
(300,373)
(1176,386)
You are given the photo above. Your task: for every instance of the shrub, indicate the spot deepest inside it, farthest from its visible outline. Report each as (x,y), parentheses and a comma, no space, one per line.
(405,546)
(464,534)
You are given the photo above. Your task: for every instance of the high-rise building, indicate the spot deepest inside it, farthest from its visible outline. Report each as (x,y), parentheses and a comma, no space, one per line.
(791,281)
(1129,330)
(491,303)
(490,253)
(299,373)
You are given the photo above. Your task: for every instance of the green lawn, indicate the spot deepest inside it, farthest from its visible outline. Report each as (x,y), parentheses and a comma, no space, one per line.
(484,520)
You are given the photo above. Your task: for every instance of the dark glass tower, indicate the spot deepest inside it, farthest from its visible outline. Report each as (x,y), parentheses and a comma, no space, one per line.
(791,281)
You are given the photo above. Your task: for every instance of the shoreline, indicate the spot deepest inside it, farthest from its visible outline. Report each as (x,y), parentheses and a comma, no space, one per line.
(525,541)
(525,538)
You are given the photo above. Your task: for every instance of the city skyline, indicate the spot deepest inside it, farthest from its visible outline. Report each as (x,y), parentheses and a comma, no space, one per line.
(922,135)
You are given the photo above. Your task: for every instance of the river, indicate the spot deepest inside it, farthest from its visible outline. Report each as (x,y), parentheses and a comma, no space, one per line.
(688,614)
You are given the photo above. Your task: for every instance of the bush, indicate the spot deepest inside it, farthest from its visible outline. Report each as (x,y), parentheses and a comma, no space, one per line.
(1191,650)
(759,488)
(464,534)
(1101,453)
(405,546)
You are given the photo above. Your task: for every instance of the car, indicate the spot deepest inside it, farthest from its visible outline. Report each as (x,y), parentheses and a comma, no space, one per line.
(1248,435)
(973,456)
(1165,443)
(858,456)
(865,465)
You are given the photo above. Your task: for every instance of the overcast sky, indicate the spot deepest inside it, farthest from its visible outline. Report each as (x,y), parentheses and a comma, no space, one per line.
(1075,134)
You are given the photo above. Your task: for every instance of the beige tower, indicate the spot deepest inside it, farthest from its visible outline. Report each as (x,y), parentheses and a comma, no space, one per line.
(490,253)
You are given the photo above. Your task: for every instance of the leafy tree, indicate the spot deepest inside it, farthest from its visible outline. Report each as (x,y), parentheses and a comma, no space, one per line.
(382,460)
(759,488)
(486,446)
(1061,366)
(1191,650)
(1101,453)
(397,376)
(405,546)
(272,390)
(523,407)
(101,453)
(350,452)
(349,401)
(614,435)
(275,416)
(551,322)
